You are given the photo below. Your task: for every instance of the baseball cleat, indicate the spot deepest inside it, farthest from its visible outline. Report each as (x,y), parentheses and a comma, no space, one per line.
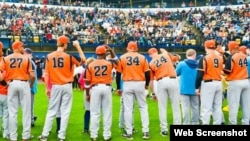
(42,138)
(164,133)
(145,136)
(127,136)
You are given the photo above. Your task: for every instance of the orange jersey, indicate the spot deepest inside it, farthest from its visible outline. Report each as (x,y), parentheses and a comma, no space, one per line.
(236,67)
(99,72)
(17,67)
(3,89)
(212,66)
(162,66)
(133,65)
(60,67)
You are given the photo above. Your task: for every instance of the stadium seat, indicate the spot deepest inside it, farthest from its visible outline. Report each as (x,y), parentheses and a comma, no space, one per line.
(193,42)
(11,38)
(36,39)
(238,40)
(16,38)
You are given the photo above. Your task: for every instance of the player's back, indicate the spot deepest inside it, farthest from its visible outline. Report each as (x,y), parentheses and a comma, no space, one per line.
(239,67)
(17,67)
(162,66)
(60,67)
(100,72)
(213,66)
(132,65)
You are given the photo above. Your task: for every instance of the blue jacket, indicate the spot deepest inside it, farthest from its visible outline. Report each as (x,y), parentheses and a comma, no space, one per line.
(248,66)
(34,88)
(187,71)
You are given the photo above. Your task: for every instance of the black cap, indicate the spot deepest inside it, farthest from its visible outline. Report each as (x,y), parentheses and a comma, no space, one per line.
(28,50)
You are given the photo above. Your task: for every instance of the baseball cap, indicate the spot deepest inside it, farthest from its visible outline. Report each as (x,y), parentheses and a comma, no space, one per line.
(243,49)
(233,45)
(152,51)
(132,45)
(100,50)
(63,39)
(210,44)
(17,44)
(28,50)
(1,45)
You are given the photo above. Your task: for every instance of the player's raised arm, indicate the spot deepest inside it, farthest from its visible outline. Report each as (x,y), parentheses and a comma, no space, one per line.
(76,44)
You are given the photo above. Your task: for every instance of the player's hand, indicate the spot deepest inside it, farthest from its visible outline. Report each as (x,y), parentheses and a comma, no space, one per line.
(119,92)
(108,48)
(88,98)
(197,91)
(154,97)
(146,87)
(48,93)
(76,43)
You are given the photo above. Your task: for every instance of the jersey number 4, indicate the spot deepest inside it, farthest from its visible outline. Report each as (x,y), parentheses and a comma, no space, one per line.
(159,62)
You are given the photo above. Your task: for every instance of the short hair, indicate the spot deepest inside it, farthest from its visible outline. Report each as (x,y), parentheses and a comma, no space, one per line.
(190,52)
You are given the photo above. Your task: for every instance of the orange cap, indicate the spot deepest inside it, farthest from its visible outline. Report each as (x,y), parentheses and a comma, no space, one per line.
(243,49)
(233,45)
(1,45)
(209,44)
(132,45)
(152,51)
(100,50)
(17,44)
(62,39)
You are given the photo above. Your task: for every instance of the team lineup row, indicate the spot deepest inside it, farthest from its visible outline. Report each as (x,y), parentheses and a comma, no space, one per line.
(197,80)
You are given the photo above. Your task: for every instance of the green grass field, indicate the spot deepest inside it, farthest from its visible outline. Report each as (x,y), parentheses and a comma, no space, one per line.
(75,126)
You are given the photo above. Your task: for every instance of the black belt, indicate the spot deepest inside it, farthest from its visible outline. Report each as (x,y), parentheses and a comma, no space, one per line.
(100,84)
(171,77)
(18,80)
(210,80)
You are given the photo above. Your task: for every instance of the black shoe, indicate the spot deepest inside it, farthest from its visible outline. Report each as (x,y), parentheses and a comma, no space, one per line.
(35,118)
(145,136)
(127,136)
(164,133)
(32,124)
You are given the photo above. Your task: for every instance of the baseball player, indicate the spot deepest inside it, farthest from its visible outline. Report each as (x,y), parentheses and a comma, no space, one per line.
(136,76)
(187,71)
(28,53)
(18,72)
(59,69)
(209,85)
(248,64)
(81,82)
(162,69)
(3,101)
(238,84)
(98,85)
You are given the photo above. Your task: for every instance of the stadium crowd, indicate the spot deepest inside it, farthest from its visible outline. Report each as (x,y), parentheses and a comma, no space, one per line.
(131,29)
